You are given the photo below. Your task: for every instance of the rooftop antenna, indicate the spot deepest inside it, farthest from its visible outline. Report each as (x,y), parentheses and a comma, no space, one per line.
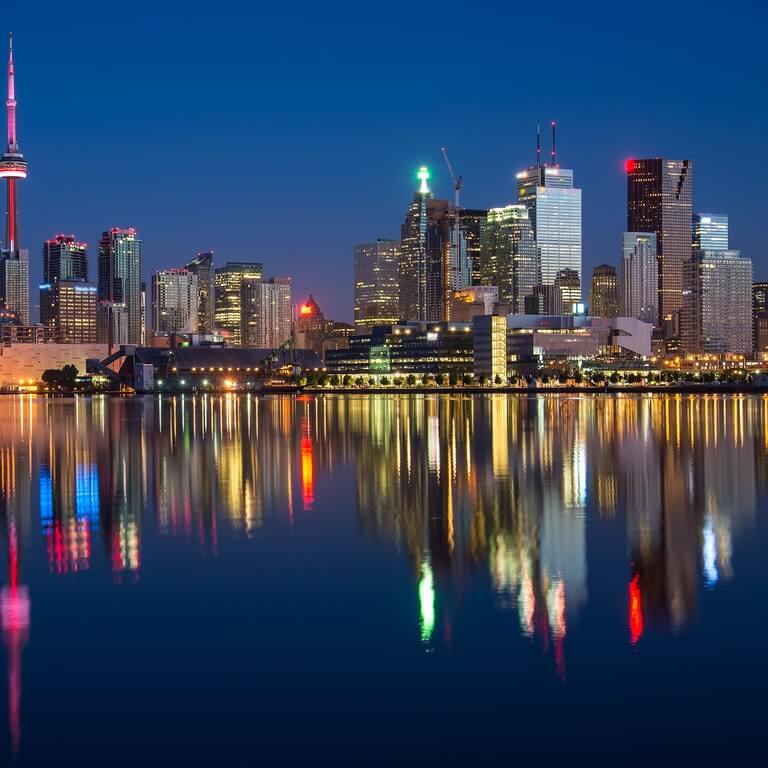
(538,146)
(554,150)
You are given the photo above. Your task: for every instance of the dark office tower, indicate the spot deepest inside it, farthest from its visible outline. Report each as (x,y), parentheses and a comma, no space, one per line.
(202,266)
(760,316)
(604,301)
(509,258)
(65,259)
(659,195)
(120,291)
(473,221)
(544,300)
(424,261)
(228,281)
(569,283)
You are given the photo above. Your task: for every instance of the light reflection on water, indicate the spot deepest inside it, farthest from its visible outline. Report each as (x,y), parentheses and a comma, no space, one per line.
(514,497)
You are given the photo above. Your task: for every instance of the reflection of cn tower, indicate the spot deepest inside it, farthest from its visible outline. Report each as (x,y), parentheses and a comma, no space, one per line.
(14,612)
(12,164)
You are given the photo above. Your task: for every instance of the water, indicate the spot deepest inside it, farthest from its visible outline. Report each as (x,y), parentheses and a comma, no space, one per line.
(385,577)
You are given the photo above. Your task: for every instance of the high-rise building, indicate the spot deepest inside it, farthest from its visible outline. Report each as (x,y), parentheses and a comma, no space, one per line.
(65,259)
(266,312)
(569,283)
(509,257)
(202,266)
(710,231)
(716,314)
(473,221)
(143,341)
(120,281)
(554,205)
(604,299)
(112,323)
(639,277)
(175,298)
(659,197)
(14,260)
(69,308)
(377,283)
(544,300)
(425,253)
(228,280)
(760,316)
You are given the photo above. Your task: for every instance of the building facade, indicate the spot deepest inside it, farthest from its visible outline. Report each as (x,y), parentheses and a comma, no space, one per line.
(14,282)
(377,283)
(267,312)
(64,258)
(202,266)
(659,199)
(228,282)
(120,281)
(716,315)
(554,206)
(710,231)
(569,283)
(69,309)
(604,299)
(639,277)
(759,314)
(175,301)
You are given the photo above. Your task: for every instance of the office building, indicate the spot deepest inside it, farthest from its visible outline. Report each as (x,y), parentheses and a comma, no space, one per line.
(202,266)
(554,206)
(710,231)
(489,339)
(659,195)
(120,283)
(544,300)
(716,315)
(112,323)
(175,300)
(759,314)
(569,283)
(14,260)
(64,258)
(228,282)
(473,221)
(509,256)
(69,309)
(425,255)
(377,283)
(604,300)
(639,277)
(267,312)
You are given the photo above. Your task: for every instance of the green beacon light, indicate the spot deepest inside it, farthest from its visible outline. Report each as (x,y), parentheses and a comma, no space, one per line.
(423,177)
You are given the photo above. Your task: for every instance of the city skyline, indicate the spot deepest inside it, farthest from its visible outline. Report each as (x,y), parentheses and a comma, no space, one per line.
(368,170)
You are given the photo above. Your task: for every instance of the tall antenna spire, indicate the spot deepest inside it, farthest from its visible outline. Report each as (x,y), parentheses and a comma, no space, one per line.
(554,148)
(538,146)
(11,102)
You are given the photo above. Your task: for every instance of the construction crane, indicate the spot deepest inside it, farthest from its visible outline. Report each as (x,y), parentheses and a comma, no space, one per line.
(454,267)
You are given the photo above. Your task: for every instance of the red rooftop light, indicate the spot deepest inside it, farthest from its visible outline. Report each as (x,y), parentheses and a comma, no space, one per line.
(630,165)
(305,309)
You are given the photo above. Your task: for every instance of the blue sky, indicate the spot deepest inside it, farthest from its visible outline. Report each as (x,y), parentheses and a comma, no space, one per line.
(286,133)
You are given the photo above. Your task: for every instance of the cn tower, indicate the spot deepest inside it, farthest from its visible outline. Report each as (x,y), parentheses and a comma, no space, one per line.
(12,164)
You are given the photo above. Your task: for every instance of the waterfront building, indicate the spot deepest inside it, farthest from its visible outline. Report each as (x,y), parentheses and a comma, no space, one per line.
(266,312)
(639,277)
(120,283)
(377,283)
(228,282)
(425,255)
(509,256)
(710,231)
(554,206)
(14,260)
(489,338)
(202,266)
(569,283)
(175,301)
(716,315)
(604,299)
(69,309)
(759,309)
(659,196)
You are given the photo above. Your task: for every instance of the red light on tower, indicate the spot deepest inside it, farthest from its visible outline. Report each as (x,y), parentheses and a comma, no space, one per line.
(305,310)
(630,165)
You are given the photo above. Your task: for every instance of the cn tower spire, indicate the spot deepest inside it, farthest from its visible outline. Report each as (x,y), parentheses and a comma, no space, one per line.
(11,102)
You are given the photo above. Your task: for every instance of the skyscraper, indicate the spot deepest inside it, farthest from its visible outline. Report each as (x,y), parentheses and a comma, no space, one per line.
(377,285)
(569,283)
(228,279)
(604,299)
(120,283)
(473,222)
(65,259)
(710,231)
(202,266)
(659,195)
(425,253)
(509,257)
(716,314)
(639,277)
(175,298)
(554,205)
(14,260)
(760,315)
(266,312)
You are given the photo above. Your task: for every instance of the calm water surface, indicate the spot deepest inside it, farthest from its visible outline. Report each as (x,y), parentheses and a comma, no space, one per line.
(384,577)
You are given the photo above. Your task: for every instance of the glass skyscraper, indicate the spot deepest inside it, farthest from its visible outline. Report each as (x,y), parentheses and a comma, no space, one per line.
(202,266)
(554,206)
(639,280)
(710,231)
(229,278)
(266,312)
(175,298)
(120,282)
(377,285)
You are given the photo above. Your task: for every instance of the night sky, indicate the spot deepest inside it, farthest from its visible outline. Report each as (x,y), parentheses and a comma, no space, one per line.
(288,132)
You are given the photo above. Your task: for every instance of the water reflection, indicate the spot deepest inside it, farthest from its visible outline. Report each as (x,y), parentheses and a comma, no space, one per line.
(497,490)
